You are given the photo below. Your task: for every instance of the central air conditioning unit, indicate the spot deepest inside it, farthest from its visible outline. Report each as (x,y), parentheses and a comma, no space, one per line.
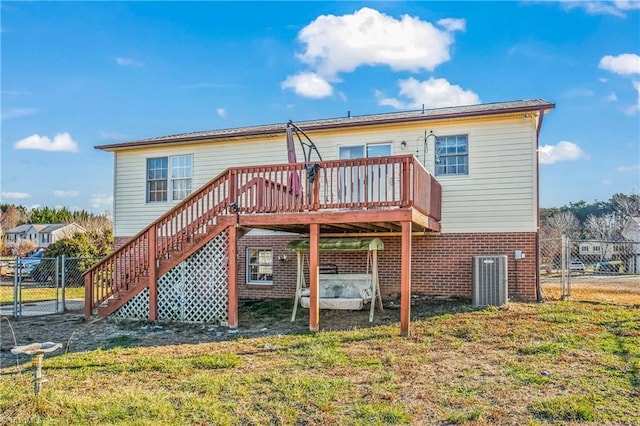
(490,280)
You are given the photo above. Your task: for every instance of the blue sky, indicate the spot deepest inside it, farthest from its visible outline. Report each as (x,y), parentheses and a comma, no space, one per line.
(80,74)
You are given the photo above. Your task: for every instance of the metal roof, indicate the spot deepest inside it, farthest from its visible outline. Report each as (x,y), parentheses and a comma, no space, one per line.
(342,122)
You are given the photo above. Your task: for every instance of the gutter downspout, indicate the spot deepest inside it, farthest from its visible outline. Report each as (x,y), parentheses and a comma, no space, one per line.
(538,288)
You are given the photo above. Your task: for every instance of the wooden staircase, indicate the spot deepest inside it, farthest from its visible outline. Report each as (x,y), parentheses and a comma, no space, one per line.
(175,255)
(184,229)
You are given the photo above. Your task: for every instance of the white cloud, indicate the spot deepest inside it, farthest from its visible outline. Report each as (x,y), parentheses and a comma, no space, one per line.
(221,112)
(15,92)
(65,194)
(101,201)
(18,112)
(341,44)
(367,37)
(15,195)
(577,92)
(625,64)
(626,169)
(627,4)
(128,62)
(606,182)
(308,84)
(633,109)
(611,97)
(432,93)
(451,24)
(61,142)
(112,135)
(615,8)
(563,151)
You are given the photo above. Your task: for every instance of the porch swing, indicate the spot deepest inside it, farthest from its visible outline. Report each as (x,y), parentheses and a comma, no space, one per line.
(338,290)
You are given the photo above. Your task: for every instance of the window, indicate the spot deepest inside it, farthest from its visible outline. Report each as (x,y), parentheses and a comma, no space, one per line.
(452,156)
(584,249)
(357,185)
(596,249)
(259,266)
(169,178)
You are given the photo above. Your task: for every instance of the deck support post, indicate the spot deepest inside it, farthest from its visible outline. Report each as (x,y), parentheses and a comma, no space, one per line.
(88,295)
(405,280)
(232,313)
(153,279)
(314,277)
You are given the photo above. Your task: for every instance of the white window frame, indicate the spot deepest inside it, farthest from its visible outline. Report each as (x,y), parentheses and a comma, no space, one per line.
(249,266)
(175,174)
(440,156)
(360,192)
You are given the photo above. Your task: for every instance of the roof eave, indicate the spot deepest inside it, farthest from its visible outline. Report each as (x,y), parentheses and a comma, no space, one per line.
(311,126)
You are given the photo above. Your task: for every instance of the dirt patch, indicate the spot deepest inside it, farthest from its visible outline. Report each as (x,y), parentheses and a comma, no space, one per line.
(256,318)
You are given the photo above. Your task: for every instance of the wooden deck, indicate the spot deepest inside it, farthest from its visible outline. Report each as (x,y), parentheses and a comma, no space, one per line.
(382,194)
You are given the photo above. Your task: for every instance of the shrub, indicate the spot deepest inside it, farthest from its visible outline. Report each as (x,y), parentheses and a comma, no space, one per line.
(87,247)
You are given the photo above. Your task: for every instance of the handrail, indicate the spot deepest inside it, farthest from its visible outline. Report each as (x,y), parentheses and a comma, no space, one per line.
(379,182)
(122,268)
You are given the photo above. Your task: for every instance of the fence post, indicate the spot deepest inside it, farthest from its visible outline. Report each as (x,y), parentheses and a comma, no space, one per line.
(564,267)
(64,281)
(16,290)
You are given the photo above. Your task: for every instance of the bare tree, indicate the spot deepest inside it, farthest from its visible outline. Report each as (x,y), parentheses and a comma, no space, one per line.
(561,223)
(9,218)
(22,247)
(605,227)
(626,206)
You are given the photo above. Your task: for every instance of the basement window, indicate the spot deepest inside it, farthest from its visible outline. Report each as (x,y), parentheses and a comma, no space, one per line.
(259,266)
(169,178)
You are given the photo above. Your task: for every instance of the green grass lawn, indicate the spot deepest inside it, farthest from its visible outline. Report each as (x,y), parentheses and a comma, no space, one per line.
(552,363)
(35,294)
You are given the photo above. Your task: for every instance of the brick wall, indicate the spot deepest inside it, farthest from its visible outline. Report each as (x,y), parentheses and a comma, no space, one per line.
(441,264)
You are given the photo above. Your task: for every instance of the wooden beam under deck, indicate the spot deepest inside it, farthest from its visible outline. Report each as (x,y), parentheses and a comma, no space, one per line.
(405,280)
(232,259)
(314,277)
(379,220)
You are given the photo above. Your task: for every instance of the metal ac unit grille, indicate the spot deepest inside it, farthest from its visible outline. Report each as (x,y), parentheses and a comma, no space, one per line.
(490,280)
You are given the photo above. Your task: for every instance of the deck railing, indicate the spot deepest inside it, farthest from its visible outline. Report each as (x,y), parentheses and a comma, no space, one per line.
(398,181)
(380,182)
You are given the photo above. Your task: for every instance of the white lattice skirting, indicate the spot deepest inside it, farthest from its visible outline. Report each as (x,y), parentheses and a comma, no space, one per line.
(195,290)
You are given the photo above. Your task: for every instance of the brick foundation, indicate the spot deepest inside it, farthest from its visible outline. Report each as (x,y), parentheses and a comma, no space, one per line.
(441,264)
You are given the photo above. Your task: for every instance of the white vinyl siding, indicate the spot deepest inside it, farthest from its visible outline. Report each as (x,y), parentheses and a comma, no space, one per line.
(132,213)
(497,195)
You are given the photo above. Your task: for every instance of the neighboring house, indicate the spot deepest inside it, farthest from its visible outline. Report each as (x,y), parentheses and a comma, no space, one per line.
(598,249)
(463,180)
(631,229)
(41,234)
(631,232)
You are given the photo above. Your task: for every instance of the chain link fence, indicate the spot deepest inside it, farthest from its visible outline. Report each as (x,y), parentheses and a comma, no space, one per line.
(590,270)
(32,286)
